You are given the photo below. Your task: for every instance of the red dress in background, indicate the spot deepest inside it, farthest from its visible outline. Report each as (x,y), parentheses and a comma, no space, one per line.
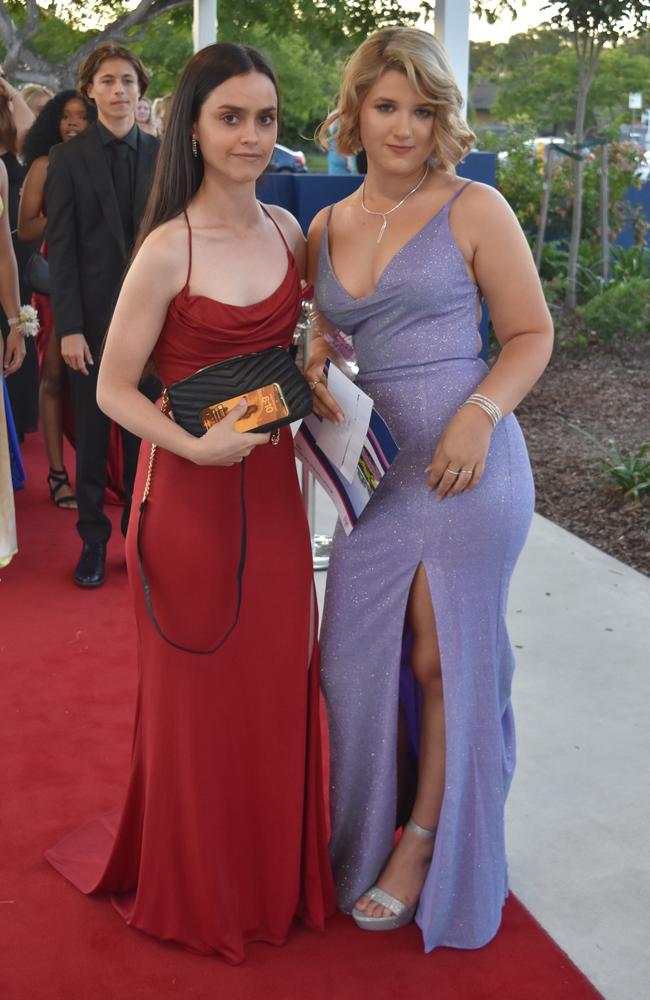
(223,836)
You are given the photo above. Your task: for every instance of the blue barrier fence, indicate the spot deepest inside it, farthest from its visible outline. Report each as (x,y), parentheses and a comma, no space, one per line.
(635,196)
(305,194)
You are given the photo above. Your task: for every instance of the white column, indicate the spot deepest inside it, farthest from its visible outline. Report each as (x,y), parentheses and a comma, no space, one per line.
(451,27)
(204,25)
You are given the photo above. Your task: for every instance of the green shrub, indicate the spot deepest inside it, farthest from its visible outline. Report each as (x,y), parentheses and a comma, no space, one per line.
(622,309)
(555,258)
(629,471)
(633,262)
(520,177)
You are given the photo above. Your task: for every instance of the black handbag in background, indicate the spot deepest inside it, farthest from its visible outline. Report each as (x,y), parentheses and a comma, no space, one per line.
(37,274)
(207,388)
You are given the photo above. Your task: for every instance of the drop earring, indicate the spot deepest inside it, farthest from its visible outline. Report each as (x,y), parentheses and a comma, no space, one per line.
(195,147)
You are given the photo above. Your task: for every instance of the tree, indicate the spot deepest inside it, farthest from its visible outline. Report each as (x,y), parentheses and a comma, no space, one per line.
(309,80)
(23,21)
(164,46)
(592,24)
(47,44)
(621,71)
(537,82)
(538,88)
(27,30)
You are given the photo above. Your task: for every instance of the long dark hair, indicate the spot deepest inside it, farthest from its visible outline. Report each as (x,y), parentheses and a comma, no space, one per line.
(178,173)
(45,133)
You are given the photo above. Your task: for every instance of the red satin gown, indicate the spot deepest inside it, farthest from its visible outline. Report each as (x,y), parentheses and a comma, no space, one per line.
(222,839)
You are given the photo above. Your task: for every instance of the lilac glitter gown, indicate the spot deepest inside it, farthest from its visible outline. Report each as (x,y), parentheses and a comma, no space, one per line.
(415,340)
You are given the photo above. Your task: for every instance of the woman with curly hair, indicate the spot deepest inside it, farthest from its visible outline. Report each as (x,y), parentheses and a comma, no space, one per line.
(416,660)
(63,117)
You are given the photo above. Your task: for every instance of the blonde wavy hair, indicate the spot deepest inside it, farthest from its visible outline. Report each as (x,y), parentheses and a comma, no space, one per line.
(424,62)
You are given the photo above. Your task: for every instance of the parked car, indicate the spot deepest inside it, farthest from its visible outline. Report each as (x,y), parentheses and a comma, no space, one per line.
(287,161)
(537,145)
(540,144)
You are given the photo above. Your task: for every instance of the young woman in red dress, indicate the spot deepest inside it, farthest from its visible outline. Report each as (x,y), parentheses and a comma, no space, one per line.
(64,116)
(223,838)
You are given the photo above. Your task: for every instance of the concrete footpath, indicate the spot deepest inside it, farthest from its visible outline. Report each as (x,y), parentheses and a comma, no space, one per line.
(579,811)
(578,817)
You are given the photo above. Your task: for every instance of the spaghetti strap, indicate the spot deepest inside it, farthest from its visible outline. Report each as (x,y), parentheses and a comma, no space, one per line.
(266,212)
(189,243)
(458,193)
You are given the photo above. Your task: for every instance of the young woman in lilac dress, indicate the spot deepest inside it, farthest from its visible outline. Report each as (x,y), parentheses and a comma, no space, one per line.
(417,665)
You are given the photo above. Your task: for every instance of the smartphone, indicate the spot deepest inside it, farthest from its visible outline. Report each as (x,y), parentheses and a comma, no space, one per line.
(265,406)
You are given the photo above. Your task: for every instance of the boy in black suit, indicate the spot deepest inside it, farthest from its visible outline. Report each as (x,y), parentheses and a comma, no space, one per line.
(95,194)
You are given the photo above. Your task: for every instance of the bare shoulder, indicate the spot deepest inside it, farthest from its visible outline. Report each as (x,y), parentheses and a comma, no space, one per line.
(317,225)
(164,255)
(481,215)
(483,202)
(339,215)
(38,166)
(288,224)
(37,171)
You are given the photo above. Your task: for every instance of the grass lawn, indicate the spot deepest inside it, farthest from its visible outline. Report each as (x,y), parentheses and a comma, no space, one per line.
(316,162)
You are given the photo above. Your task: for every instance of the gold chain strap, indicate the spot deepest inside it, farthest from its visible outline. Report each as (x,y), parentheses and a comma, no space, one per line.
(164,409)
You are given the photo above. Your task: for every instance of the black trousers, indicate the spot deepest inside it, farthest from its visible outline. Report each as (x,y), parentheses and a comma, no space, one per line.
(92,434)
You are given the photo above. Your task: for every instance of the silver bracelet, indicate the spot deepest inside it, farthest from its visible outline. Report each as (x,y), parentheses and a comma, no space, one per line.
(487,405)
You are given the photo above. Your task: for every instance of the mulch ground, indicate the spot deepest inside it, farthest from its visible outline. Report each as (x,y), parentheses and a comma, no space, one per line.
(590,396)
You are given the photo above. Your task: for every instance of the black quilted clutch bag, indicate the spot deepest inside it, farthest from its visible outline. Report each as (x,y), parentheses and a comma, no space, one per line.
(207,388)
(234,377)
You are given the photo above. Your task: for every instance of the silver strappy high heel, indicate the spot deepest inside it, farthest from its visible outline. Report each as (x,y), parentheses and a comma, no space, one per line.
(401,914)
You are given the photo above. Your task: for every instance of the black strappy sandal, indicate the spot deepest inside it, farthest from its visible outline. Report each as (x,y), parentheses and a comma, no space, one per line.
(56,478)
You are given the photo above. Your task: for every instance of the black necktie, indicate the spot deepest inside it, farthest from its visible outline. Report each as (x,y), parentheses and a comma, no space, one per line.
(122,184)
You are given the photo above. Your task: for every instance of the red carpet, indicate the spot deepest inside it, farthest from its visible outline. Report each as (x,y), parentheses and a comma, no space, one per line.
(68,681)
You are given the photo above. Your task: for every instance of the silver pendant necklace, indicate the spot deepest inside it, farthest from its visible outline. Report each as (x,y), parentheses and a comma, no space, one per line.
(385,215)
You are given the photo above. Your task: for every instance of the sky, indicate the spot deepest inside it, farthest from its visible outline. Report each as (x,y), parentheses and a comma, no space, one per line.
(529,15)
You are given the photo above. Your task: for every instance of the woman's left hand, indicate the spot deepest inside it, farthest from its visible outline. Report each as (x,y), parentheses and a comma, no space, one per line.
(459,460)
(15,352)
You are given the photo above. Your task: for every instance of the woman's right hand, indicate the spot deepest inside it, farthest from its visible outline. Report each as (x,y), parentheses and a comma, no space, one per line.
(325,404)
(15,354)
(223,444)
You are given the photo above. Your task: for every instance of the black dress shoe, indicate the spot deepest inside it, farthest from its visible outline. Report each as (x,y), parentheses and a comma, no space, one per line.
(90,568)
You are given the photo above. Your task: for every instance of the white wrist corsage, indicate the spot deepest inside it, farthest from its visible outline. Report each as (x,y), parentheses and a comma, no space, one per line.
(26,321)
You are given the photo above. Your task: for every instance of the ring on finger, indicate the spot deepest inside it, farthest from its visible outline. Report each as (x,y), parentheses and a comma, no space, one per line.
(452,472)
(314,382)
(467,472)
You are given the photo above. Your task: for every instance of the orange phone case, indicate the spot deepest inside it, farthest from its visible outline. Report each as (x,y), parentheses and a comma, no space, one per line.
(265,406)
